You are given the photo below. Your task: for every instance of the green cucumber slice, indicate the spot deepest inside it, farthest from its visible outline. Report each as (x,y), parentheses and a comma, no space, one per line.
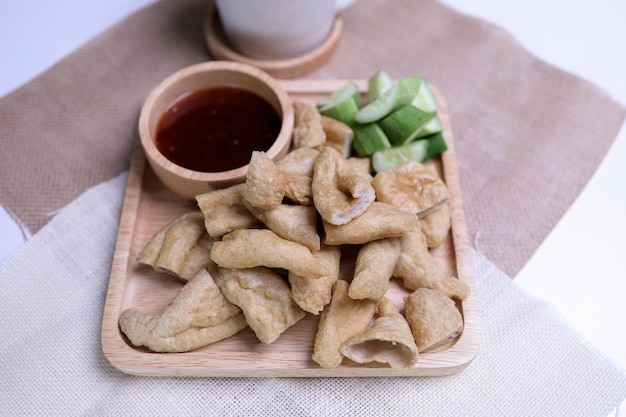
(404,124)
(348,91)
(425,99)
(378,84)
(344,111)
(369,138)
(431,127)
(398,95)
(387,159)
(436,145)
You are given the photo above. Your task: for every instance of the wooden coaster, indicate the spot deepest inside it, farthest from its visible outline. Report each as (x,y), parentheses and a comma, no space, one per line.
(284,68)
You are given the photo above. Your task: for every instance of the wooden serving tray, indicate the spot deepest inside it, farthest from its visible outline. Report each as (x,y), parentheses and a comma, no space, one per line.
(148,206)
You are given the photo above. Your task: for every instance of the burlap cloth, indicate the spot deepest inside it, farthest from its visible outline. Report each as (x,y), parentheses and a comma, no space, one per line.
(528,138)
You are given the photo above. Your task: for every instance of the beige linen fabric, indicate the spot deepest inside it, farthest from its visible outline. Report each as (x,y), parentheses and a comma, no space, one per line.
(52,292)
(523,135)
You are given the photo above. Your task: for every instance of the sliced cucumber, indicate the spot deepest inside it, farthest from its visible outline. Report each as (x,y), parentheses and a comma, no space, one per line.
(369,138)
(430,128)
(398,123)
(436,145)
(378,84)
(387,159)
(426,99)
(348,91)
(341,105)
(398,95)
(344,111)
(404,124)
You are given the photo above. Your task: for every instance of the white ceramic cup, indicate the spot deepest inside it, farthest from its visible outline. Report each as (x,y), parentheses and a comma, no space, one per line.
(277,29)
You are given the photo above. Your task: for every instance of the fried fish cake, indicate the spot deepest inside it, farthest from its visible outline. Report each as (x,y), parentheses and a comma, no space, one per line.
(433,317)
(181,248)
(389,340)
(250,248)
(313,294)
(197,316)
(340,320)
(264,297)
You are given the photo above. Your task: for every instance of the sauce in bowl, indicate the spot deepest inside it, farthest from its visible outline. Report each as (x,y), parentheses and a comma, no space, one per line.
(216,129)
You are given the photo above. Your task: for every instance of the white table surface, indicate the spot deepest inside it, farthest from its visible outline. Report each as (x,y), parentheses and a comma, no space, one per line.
(585,282)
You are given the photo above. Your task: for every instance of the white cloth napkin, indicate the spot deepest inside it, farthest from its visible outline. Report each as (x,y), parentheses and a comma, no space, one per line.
(52,293)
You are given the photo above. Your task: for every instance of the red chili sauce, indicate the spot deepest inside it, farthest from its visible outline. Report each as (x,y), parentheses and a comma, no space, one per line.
(216,129)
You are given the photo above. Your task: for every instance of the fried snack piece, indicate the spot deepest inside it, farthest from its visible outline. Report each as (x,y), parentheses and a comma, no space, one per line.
(189,339)
(225,210)
(338,135)
(264,297)
(295,223)
(379,221)
(433,317)
(299,162)
(339,193)
(197,316)
(436,225)
(419,269)
(375,263)
(248,248)
(313,294)
(266,185)
(411,186)
(362,165)
(339,321)
(435,165)
(181,248)
(389,340)
(307,127)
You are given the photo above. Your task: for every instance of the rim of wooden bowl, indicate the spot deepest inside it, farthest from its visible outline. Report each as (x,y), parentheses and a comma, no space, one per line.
(232,74)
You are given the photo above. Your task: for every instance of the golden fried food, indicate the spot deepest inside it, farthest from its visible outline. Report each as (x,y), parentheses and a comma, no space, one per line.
(374,267)
(298,162)
(340,194)
(419,269)
(295,223)
(197,316)
(264,297)
(307,127)
(313,294)
(361,165)
(248,248)
(225,210)
(412,187)
(181,248)
(338,135)
(339,321)
(389,340)
(433,317)
(379,221)
(436,225)
(187,340)
(266,185)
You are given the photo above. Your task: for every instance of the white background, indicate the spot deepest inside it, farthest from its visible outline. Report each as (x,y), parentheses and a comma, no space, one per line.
(580,268)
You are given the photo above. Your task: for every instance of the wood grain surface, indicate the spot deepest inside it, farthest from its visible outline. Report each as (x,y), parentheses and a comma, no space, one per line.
(148,206)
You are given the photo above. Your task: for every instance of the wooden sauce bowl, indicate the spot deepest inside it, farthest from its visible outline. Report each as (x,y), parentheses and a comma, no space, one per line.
(189,183)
